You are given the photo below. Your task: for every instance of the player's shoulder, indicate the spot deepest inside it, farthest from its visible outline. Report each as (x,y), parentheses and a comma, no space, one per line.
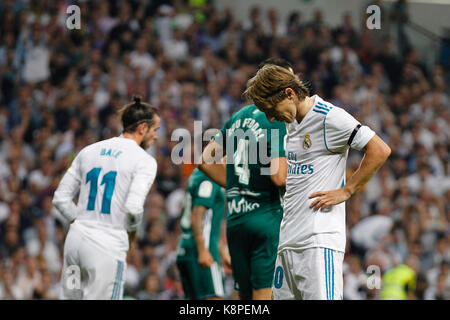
(201,185)
(322,108)
(338,117)
(97,144)
(90,148)
(134,152)
(197,177)
(200,181)
(148,159)
(327,110)
(242,112)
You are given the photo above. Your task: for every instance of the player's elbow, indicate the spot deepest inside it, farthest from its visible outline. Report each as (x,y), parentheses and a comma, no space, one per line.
(378,150)
(203,166)
(133,209)
(278,180)
(278,169)
(64,207)
(384,151)
(57,201)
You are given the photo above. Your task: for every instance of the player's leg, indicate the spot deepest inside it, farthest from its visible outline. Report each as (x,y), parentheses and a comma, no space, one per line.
(262,294)
(187,279)
(283,284)
(212,282)
(337,261)
(102,276)
(118,285)
(71,271)
(199,282)
(240,260)
(265,230)
(322,274)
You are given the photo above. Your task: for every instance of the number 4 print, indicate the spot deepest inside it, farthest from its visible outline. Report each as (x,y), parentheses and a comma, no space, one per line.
(109,180)
(241,168)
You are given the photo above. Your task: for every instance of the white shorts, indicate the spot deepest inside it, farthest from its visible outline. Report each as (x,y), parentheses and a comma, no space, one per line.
(88,273)
(310,274)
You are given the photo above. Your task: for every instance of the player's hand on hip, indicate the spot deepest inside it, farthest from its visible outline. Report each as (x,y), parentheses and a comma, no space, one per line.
(326,199)
(205,259)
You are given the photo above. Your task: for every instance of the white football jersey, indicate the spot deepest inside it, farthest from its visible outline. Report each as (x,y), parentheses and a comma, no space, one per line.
(317,150)
(113,178)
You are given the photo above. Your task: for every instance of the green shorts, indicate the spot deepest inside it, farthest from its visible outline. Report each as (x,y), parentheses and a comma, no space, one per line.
(200,283)
(253,244)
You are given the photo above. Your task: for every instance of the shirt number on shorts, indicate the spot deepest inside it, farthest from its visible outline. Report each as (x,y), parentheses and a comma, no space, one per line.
(278,279)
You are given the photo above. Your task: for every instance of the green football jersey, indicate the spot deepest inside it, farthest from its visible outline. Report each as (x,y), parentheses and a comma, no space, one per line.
(201,191)
(251,141)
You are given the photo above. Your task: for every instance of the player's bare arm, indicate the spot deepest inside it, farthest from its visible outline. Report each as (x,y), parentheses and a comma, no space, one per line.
(205,258)
(225,255)
(376,153)
(215,170)
(131,239)
(278,171)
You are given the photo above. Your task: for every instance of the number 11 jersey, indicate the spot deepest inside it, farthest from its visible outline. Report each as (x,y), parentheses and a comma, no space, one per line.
(113,178)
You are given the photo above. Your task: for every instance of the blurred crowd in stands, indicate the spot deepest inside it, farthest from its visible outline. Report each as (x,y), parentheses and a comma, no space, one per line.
(60,89)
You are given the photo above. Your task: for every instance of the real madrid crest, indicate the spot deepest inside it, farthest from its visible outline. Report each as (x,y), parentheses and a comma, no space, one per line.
(307,142)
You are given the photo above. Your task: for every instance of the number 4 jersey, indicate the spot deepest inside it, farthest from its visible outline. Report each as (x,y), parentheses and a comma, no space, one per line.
(251,141)
(113,178)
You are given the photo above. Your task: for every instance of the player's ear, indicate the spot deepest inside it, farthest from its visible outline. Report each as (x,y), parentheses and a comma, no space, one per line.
(142,128)
(289,93)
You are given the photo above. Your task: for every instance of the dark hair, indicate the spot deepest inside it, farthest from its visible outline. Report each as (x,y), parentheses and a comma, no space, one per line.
(135,113)
(277,62)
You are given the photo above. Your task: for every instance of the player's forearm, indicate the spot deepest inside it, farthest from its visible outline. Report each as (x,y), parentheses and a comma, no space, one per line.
(138,192)
(139,189)
(63,197)
(212,163)
(278,171)
(223,251)
(216,172)
(197,228)
(67,208)
(376,154)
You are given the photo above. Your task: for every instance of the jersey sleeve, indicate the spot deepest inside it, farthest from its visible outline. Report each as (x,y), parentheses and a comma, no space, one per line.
(143,178)
(67,190)
(342,130)
(204,194)
(278,140)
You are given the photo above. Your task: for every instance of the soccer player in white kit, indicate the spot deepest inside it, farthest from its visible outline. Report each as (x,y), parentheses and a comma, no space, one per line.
(112,179)
(312,233)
